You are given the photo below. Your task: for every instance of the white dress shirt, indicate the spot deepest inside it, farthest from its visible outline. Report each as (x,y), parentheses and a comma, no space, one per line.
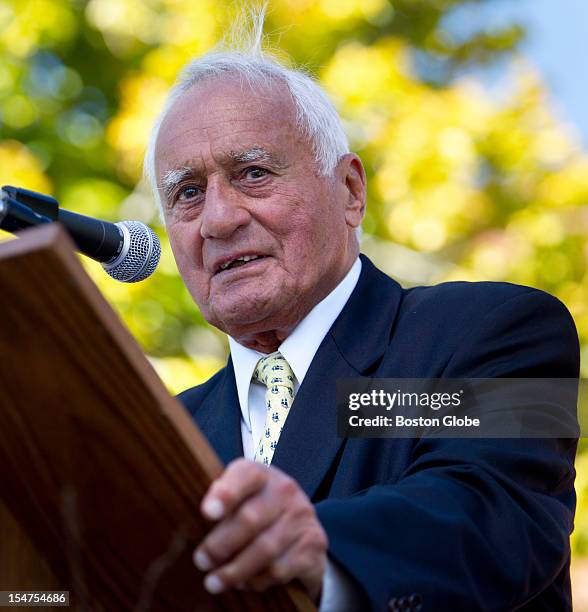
(299,349)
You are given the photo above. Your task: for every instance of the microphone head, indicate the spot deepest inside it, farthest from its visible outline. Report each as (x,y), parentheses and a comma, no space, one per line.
(139,255)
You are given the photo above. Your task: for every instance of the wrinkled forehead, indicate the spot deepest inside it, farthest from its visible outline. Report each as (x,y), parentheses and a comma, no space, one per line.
(223,116)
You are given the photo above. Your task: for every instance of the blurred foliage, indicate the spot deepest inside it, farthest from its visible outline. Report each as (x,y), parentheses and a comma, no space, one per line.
(462,184)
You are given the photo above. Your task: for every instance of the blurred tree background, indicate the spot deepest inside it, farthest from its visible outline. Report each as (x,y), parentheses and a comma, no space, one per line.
(462,184)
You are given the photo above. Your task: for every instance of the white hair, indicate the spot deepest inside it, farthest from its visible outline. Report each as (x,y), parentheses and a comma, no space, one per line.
(244,57)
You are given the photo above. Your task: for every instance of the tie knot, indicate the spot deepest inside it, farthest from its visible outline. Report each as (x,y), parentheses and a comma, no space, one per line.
(274,371)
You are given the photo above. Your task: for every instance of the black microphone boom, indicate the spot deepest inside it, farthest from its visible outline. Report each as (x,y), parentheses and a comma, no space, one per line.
(129,251)
(100,240)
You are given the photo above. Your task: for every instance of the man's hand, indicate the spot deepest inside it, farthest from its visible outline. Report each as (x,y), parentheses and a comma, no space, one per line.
(267,532)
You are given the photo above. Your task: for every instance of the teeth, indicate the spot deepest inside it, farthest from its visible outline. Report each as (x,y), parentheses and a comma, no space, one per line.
(244,258)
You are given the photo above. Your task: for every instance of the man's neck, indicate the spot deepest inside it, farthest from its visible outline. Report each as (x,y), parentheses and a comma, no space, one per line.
(269,341)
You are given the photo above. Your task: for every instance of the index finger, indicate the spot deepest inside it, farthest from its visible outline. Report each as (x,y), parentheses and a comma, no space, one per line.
(240,479)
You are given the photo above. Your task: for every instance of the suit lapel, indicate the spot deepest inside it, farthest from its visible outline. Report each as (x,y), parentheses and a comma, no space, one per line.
(363,330)
(356,342)
(309,443)
(219,417)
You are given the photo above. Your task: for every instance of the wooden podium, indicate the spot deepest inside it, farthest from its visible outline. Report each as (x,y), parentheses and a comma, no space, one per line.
(102,471)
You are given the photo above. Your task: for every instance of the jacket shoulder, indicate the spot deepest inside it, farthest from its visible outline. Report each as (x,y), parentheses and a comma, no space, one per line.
(476,296)
(460,303)
(485,322)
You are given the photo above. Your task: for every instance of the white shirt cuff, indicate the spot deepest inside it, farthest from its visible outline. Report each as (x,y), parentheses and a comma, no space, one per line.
(339,593)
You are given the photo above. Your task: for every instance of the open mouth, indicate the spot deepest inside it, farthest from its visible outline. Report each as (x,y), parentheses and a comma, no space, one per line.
(239,262)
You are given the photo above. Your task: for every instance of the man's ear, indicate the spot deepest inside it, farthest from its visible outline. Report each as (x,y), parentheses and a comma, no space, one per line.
(352,175)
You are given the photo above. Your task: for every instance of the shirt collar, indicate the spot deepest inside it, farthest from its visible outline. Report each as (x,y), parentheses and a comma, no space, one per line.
(300,347)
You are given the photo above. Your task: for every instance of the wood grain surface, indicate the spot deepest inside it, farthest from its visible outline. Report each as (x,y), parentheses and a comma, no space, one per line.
(102,471)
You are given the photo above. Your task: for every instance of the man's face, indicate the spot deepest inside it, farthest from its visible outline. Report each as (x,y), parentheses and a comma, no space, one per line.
(258,236)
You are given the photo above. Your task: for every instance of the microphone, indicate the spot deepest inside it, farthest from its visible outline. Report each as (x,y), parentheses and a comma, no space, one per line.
(129,251)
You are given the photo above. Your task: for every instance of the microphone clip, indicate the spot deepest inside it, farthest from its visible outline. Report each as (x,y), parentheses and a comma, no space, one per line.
(21,208)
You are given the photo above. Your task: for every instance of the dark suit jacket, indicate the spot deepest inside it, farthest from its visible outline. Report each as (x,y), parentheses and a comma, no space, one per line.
(459,524)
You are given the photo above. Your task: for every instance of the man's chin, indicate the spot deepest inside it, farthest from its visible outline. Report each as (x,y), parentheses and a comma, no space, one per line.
(247,318)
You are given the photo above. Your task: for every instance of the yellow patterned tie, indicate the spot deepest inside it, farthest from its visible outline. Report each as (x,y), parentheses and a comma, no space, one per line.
(276,374)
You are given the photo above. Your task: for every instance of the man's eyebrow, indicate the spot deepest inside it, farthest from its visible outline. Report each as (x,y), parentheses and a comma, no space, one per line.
(257,154)
(174,177)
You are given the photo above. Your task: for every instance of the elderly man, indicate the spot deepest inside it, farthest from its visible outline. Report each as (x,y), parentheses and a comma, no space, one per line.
(262,201)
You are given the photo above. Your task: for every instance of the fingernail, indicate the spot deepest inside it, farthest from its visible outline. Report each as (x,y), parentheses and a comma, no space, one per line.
(213,584)
(202,561)
(214,508)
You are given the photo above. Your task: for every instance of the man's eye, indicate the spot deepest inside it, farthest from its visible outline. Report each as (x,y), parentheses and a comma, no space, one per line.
(188,193)
(255,173)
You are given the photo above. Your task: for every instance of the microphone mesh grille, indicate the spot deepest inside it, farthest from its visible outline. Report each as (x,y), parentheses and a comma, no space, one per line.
(142,256)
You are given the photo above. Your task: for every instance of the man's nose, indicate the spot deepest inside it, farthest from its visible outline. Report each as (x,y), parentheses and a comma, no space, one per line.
(224,210)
